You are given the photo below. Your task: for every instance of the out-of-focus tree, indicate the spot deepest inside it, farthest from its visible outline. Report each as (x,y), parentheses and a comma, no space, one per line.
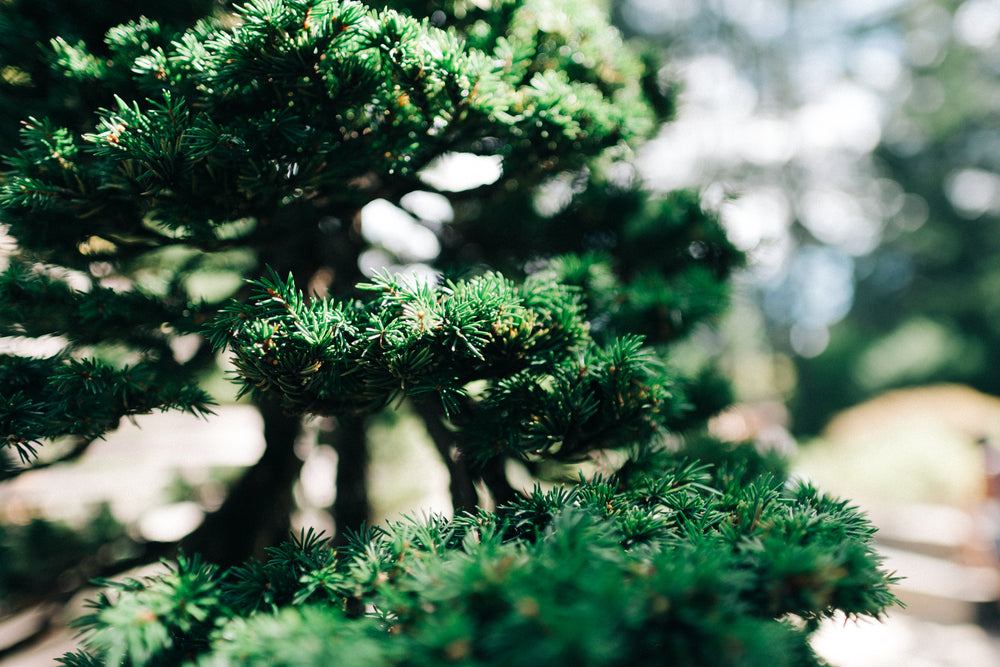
(927,308)
(861,152)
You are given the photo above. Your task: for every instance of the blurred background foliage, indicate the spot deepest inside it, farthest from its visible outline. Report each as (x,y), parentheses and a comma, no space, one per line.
(860,144)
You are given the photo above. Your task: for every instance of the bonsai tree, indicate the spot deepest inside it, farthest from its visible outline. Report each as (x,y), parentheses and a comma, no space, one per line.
(302,141)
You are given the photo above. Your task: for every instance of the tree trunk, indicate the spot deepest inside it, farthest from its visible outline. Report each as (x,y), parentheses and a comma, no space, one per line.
(461,482)
(494,475)
(255,514)
(351,509)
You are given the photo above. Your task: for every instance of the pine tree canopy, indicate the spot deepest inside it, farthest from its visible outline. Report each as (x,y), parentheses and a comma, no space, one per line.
(254,141)
(354,207)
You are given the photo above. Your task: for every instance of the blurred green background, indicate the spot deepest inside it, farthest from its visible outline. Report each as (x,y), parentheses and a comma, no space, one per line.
(854,147)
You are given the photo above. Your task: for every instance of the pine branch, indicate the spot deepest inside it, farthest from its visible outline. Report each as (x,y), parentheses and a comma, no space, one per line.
(597,573)
(551,392)
(321,355)
(42,399)
(165,617)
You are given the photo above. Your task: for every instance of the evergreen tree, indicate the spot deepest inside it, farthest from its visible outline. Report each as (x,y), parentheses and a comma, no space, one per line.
(260,145)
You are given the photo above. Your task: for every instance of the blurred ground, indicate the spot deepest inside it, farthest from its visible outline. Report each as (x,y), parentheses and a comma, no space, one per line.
(919,482)
(912,460)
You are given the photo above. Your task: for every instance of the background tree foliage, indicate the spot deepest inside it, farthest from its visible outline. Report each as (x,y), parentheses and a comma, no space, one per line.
(860,146)
(928,290)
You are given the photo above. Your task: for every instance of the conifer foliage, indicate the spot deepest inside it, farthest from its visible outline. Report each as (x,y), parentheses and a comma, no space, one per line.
(257,144)
(680,569)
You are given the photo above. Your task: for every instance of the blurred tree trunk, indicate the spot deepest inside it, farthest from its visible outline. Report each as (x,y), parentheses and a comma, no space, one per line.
(461,483)
(256,513)
(351,507)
